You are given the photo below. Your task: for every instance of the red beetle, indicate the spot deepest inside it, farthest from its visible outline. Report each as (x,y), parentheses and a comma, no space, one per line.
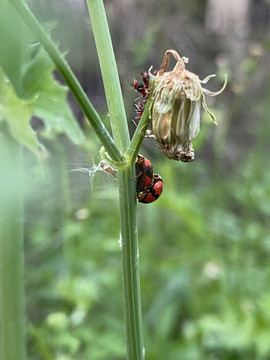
(153,192)
(144,173)
(145,77)
(148,185)
(138,86)
(139,107)
(144,88)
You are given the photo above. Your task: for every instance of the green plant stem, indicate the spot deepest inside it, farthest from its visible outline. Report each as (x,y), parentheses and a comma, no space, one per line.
(130,265)
(12,322)
(69,78)
(127,191)
(109,73)
(138,136)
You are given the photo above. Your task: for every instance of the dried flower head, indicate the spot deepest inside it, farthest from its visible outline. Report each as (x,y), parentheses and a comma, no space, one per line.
(175,107)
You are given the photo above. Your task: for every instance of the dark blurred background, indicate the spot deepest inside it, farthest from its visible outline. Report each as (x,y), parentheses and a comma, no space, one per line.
(205,244)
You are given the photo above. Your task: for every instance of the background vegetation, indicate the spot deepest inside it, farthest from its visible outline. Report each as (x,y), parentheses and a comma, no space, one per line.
(204,245)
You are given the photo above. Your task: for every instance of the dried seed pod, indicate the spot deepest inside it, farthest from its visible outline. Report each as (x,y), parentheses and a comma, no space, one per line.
(175,107)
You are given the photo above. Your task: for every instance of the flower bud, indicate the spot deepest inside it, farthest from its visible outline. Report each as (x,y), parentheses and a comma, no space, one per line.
(175,107)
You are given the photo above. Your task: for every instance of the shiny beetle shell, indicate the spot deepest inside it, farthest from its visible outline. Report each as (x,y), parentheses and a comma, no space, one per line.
(153,192)
(144,173)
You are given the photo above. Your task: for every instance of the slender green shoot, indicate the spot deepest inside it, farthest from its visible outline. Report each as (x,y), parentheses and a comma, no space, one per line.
(139,134)
(130,265)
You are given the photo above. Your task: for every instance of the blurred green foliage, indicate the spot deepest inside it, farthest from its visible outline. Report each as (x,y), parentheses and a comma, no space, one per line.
(204,251)
(204,245)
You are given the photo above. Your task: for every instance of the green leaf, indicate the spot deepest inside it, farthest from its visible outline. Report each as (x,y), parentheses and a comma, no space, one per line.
(50,97)
(17,113)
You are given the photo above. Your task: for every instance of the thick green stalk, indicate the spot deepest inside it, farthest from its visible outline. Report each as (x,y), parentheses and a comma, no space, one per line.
(70,79)
(12,325)
(130,265)
(109,73)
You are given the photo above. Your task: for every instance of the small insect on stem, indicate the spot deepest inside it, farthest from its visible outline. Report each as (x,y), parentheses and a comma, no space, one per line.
(142,87)
(107,168)
(148,185)
(153,192)
(144,173)
(138,86)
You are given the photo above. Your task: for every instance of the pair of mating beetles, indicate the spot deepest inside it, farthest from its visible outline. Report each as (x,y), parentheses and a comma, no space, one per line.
(148,185)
